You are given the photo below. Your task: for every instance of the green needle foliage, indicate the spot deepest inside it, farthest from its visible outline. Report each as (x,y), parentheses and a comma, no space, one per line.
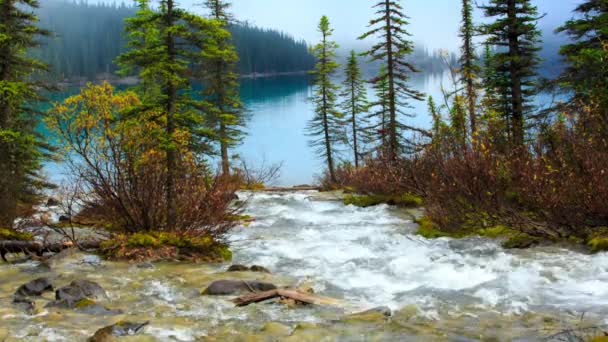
(392,49)
(221,84)
(355,105)
(21,149)
(587,55)
(325,128)
(514,31)
(165,43)
(379,112)
(469,63)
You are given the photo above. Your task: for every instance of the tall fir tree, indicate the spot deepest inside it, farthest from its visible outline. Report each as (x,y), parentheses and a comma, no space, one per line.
(469,63)
(514,32)
(172,45)
(21,149)
(379,112)
(355,105)
(587,55)
(326,126)
(392,49)
(221,84)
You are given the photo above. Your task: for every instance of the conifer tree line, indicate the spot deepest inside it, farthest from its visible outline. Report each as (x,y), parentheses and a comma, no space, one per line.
(493,158)
(87,45)
(158,137)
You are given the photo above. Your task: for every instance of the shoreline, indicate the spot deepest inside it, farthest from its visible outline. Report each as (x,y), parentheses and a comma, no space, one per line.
(134,80)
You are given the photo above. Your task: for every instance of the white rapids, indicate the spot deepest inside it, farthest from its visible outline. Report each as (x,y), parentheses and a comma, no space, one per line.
(371,257)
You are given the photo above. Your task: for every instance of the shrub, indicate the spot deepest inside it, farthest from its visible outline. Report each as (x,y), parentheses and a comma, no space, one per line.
(120,162)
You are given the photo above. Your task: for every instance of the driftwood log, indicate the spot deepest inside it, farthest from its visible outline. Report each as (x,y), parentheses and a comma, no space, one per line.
(38,248)
(283,293)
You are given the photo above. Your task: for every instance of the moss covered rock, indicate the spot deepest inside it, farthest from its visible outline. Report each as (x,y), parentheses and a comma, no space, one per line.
(165,246)
(13,235)
(598,244)
(364,201)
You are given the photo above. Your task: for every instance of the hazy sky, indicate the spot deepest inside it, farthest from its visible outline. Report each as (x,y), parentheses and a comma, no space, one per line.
(434,22)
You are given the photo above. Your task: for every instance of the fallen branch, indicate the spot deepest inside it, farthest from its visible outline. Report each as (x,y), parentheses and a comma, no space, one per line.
(283,293)
(38,248)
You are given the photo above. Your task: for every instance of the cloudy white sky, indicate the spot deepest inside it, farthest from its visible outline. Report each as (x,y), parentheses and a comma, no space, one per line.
(434,22)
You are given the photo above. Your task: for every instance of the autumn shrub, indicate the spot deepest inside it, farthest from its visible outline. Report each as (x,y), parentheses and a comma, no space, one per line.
(120,162)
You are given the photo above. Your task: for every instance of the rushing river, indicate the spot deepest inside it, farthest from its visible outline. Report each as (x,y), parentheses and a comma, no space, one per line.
(444,289)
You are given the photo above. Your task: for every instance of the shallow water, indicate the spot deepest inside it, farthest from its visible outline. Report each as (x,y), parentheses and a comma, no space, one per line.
(444,289)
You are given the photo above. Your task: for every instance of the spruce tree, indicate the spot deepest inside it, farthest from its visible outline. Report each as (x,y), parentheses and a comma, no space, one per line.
(587,55)
(221,84)
(379,112)
(355,104)
(21,150)
(469,64)
(173,44)
(392,49)
(326,126)
(515,34)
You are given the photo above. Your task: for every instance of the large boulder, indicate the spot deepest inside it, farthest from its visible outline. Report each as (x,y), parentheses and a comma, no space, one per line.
(237,287)
(34,288)
(80,289)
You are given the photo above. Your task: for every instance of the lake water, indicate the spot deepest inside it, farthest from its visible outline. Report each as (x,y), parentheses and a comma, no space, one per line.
(279,110)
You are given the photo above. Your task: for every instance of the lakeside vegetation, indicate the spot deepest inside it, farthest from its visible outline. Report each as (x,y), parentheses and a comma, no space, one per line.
(142,157)
(493,160)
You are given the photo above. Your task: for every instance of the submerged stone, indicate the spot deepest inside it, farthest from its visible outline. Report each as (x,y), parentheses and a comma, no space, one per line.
(80,289)
(34,288)
(119,329)
(234,287)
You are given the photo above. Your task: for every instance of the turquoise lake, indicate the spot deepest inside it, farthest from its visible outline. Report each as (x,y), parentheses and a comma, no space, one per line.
(279,109)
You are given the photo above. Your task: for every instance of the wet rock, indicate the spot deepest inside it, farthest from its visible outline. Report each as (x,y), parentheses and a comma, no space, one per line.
(25,304)
(85,306)
(383,310)
(373,315)
(80,289)
(235,287)
(52,202)
(119,329)
(34,288)
(64,218)
(238,268)
(276,329)
(146,265)
(256,268)
(243,268)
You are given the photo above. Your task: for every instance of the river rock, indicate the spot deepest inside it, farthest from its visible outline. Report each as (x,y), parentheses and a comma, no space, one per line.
(52,202)
(146,265)
(236,287)
(25,304)
(238,268)
(34,288)
(257,268)
(243,268)
(80,289)
(119,329)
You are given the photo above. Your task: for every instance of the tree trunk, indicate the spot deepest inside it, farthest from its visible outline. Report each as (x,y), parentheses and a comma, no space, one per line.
(330,160)
(393,142)
(354,119)
(171,102)
(516,88)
